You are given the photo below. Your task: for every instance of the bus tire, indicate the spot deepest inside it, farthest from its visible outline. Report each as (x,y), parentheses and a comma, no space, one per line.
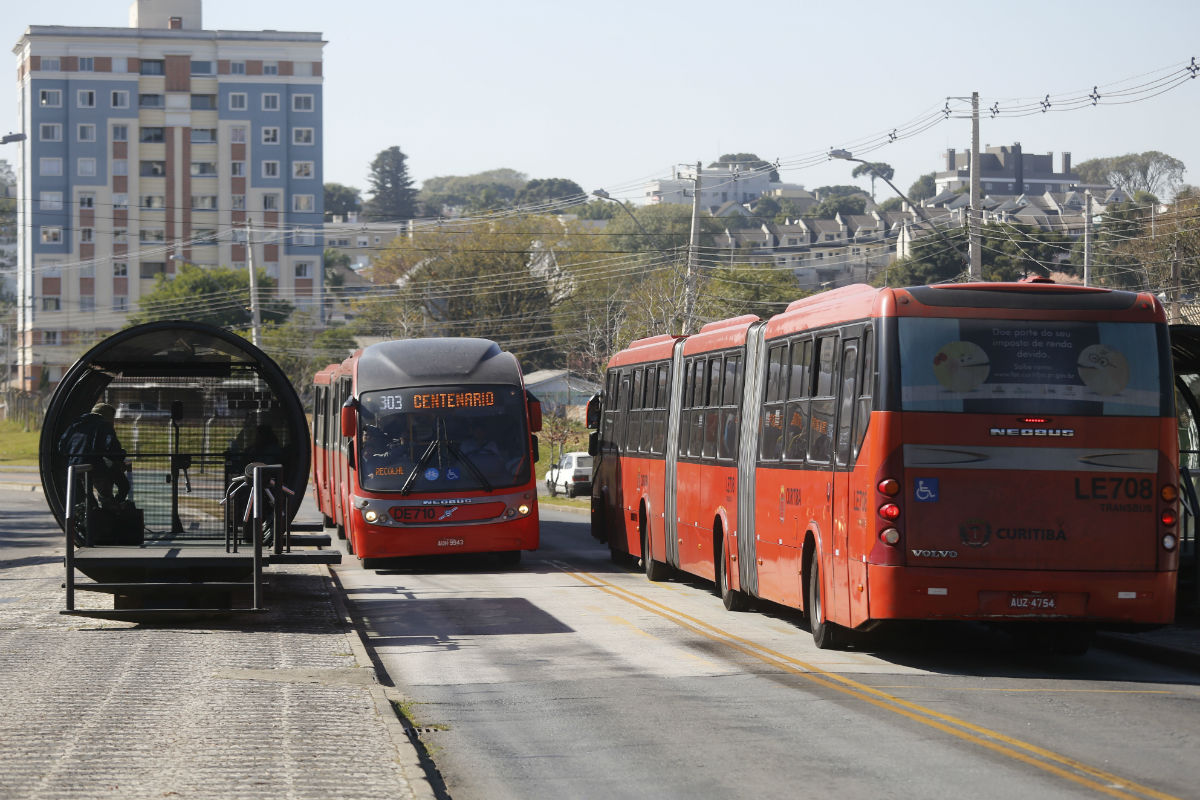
(655,570)
(327,520)
(732,599)
(341,531)
(826,635)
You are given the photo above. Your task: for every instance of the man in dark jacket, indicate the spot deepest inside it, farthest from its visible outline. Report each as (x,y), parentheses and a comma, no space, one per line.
(91,439)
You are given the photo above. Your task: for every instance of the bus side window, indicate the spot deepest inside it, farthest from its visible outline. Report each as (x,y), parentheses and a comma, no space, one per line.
(685,403)
(663,380)
(846,399)
(633,425)
(730,397)
(824,404)
(796,414)
(621,404)
(866,385)
(712,408)
(650,386)
(771,426)
(695,416)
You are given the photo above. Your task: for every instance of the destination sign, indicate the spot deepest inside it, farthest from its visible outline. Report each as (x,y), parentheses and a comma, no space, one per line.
(434,400)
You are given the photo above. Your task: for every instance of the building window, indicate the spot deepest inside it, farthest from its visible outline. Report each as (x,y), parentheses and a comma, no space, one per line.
(150,100)
(270,202)
(50,201)
(302,169)
(85,98)
(120,200)
(152,66)
(270,68)
(87,235)
(87,64)
(86,132)
(237,101)
(203,236)
(238,202)
(303,269)
(152,169)
(270,135)
(152,201)
(50,337)
(120,269)
(87,302)
(120,166)
(51,304)
(302,135)
(237,169)
(204,135)
(50,64)
(87,200)
(120,236)
(237,134)
(304,238)
(120,303)
(50,167)
(302,102)
(237,68)
(50,98)
(120,133)
(270,102)
(151,235)
(120,99)
(86,168)
(204,169)
(302,202)
(270,169)
(50,132)
(204,102)
(152,135)
(202,68)
(204,202)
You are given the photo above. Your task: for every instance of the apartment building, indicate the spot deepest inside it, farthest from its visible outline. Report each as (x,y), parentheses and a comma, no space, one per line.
(152,145)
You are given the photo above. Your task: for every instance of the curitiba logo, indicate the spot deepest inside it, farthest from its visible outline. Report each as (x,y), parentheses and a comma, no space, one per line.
(975,533)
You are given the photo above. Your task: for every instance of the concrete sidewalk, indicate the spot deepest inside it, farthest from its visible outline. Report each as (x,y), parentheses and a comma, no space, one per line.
(284,703)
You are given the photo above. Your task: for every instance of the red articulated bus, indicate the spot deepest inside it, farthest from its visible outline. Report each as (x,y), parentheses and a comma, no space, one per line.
(1003,452)
(427,446)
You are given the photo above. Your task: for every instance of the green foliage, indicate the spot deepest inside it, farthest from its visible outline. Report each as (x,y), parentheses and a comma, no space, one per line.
(891,204)
(838,204)
(392,194)
(1153,172)
(341,200)
(547,190)
(1137,247)
(18,447)
(873,170)
(301,348)
(731,291)
(839,190)
(1010,252)
(336,263)
(598,209)
(217,296)
(923,187)
(747,161)
(483,191)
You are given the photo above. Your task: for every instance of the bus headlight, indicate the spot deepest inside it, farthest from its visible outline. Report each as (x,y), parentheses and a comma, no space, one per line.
(369,515)
(523,509)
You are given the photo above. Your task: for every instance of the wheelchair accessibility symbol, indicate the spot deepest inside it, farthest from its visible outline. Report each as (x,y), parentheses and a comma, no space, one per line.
(925,490)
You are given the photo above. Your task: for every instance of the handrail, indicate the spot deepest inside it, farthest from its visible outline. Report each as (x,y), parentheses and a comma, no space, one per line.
(69,524)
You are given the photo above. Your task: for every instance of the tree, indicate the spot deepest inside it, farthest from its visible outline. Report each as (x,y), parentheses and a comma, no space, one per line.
(301,347)
(838,204)
(341,201)
(923,187)
(840,190)
(1151,171)
(1010,252)
(548,190)
(336,264)
(217,296)
(875,169)
(747,161)
(392,195)
(483,191)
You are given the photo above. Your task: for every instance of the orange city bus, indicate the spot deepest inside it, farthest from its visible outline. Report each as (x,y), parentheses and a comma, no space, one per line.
(1002,452)
(428,447)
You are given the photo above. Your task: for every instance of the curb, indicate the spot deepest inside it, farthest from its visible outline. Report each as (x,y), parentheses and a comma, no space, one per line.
(386,697)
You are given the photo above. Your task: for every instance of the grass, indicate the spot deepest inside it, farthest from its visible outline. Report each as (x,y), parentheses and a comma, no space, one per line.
(18,448)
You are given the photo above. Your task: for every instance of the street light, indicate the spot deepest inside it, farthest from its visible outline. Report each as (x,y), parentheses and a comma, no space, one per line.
(603,195)
(845,155)
(9,138)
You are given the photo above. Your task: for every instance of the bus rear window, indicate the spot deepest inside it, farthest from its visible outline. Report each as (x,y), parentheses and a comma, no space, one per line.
(1023,367)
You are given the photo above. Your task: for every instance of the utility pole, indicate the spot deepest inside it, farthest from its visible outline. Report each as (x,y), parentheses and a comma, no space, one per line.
(1176,315)
(689,285)
(255,321)
(975,214)
(1087,237)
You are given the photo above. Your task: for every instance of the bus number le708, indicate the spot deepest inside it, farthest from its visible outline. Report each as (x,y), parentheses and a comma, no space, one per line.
(1114,489)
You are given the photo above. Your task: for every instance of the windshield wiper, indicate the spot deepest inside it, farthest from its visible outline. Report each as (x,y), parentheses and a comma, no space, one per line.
(479,476)
(439,426)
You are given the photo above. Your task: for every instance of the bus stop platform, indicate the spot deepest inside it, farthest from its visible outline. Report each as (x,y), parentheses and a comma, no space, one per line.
(282,703)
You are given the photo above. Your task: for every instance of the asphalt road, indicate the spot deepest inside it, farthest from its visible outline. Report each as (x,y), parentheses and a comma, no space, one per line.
(573,677)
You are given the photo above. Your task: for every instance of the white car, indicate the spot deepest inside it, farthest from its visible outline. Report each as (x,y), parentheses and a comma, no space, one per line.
(572,475)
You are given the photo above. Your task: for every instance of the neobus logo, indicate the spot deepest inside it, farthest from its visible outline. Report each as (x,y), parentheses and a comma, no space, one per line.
(1033,432)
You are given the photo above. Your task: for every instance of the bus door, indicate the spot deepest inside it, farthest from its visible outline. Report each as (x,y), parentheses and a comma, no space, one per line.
(843,484)
(831,506)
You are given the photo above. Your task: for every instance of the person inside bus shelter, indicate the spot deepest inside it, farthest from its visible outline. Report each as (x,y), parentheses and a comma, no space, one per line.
(91,439)
(255,442)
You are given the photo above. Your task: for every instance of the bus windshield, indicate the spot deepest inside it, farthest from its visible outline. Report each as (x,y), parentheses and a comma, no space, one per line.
(443,439)
(1030,367)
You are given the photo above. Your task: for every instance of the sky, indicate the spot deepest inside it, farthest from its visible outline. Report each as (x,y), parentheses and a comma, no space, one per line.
(612,95)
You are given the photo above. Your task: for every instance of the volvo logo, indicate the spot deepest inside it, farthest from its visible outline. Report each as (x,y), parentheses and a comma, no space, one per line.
(935,553)
(1033,432)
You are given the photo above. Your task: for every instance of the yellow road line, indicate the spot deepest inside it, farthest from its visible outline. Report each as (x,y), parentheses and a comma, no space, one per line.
(1047,760)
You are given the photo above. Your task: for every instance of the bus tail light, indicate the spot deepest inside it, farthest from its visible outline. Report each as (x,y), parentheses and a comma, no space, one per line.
(889,487)
(889,536)
(889,511)
(1169,541)
(1169,518)
(1169,493)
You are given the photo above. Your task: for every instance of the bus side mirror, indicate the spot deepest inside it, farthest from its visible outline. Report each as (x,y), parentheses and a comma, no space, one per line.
(537,453)
(593,413)
(535,412)
(349,419)
(593,443)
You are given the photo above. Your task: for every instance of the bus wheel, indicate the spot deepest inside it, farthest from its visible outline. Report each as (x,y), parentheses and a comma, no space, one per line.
(509,558)
(825,634)
(655,570)
(732,599)
(327,520)
(341,531)
(349,543)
